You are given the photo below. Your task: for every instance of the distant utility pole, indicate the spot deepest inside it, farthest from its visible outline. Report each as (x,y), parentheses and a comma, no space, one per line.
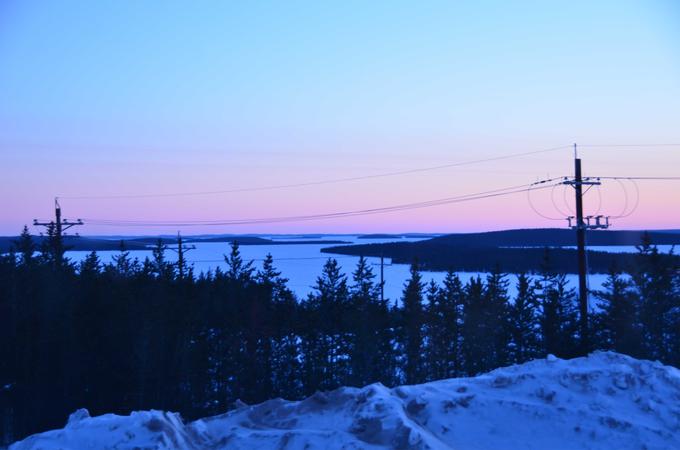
(55,230)
(583,224)
(181,249)
(382,276)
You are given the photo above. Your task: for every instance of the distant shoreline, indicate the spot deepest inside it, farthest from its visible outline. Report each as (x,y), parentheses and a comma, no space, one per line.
(515,251)
(145,244)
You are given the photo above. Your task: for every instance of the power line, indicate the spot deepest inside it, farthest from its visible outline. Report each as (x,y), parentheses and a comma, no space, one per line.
(599,200)
(625,213)
(629,145)
(424,204)
(342,214)
(319,182)
(641,178)
(535,209)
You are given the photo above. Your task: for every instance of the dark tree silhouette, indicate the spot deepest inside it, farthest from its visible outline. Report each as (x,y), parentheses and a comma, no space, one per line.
(412,327)
(129,335)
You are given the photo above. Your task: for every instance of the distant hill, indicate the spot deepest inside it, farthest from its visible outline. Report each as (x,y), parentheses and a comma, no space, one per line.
(553,237)
(512,250)
(78,243)
(397,236)
(253,240)
(241,240)
(144,243)
(421,235)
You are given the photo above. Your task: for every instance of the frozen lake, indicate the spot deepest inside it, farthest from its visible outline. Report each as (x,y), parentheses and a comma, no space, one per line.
(302,263)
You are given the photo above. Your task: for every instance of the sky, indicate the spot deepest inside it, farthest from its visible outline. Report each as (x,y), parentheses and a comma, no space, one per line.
(118,98)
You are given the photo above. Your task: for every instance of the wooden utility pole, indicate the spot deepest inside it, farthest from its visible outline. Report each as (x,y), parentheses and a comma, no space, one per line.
(382,277)
(582,224)
(55,231)
(581,249)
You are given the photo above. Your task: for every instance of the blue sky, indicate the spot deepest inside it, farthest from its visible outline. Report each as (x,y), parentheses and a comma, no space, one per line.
(127,97)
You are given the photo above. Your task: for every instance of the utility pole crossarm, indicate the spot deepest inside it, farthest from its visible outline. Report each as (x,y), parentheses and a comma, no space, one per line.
(382,275)
(56,230)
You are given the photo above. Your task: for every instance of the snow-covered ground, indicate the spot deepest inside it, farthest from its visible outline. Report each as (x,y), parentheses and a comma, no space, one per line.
(604,401)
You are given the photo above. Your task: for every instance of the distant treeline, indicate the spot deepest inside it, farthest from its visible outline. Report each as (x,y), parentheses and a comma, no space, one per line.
(144,243)
(134,335)
(514,250)
(556,237)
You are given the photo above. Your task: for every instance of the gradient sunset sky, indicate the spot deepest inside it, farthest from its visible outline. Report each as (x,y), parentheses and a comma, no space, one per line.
(129,98)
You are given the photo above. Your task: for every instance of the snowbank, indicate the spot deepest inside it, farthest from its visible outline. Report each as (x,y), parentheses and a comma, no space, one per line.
(603,401)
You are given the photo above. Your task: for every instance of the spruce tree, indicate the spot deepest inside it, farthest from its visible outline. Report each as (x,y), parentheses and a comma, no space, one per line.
(326,343)
(451,302)
(475,334)
(617,323)
(558,317)
(269,277)
(25,247)
(90,266)
(238,270)
(161,267)
(412,327)
(51,248)
(496,313)
(436,342)
(9,353)
(368,325)
(524,322)
(654,281)
(123,266)
(286,370)
(485,327)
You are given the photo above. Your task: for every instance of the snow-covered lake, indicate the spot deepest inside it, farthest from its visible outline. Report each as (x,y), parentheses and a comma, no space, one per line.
(302,263)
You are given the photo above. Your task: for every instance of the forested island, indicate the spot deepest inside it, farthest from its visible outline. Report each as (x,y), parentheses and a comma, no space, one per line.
(81,243)
(516,251)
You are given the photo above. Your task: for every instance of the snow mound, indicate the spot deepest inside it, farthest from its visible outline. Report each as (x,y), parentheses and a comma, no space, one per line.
(602,401)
